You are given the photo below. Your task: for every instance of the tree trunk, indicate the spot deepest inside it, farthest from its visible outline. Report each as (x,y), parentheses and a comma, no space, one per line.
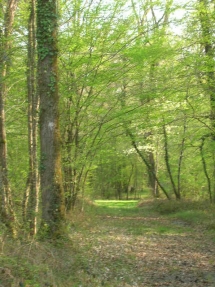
(30,202)
(71,173)
(181,155)
(205,168)
(152,179)
(53,205)
(177,194)
(6,206)
(128,185)
(146,163)
(152,182)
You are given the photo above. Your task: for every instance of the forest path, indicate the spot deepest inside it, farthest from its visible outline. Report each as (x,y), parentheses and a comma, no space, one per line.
(136,247)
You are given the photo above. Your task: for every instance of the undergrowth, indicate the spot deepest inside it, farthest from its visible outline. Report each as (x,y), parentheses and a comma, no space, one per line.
(193,212)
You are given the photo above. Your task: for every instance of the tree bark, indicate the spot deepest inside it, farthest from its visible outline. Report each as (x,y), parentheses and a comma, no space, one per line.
(53,205)
(30,201)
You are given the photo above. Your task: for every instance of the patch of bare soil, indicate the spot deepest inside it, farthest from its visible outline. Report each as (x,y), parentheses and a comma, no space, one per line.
(117,255)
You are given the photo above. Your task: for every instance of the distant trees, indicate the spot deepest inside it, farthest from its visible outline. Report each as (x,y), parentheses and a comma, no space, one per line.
(206,12)
(199,60)
(6,43)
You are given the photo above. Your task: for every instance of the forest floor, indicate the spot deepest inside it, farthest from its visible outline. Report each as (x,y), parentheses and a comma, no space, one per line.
(120,243)
(139,246)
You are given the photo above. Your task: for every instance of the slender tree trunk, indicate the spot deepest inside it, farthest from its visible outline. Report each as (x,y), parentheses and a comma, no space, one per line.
(30,206)
(72,174)
(129,187)
(181,156)
(152,179)
(205,168)
(6,206)
(151,169)
(53,204)
(177,195)
(152,182)
(67,161)
(147,164)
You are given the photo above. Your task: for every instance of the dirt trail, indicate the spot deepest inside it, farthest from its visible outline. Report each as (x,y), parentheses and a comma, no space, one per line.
(145,252)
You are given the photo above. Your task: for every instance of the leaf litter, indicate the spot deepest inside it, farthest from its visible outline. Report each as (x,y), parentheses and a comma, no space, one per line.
(128,251)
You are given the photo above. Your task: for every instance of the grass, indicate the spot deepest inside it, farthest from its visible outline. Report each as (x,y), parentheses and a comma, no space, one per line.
(180,216)
(117,203)
(136,220)
(192,212)
(122,208)
(116,207)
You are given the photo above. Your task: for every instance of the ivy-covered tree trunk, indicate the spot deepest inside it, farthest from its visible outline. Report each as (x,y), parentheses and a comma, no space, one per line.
(6,206)
(53,205)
